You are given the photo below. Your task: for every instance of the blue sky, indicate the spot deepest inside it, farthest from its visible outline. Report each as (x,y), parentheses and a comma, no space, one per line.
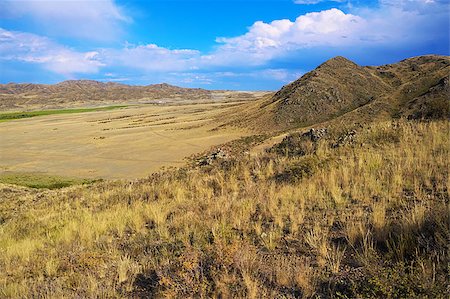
(213,44)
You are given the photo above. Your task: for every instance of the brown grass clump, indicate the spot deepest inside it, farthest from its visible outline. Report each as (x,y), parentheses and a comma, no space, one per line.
(368,220)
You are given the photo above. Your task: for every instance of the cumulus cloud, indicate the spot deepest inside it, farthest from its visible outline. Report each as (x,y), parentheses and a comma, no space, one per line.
(31,48)
(96,20)
(394,24)
(265,41)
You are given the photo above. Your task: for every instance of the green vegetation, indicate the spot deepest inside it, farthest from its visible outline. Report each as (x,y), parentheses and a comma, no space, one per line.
(41,181)
(27,114)
(366,219)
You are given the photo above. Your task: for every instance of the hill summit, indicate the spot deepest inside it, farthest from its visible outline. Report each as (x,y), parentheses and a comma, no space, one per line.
(334,87)
(416,87)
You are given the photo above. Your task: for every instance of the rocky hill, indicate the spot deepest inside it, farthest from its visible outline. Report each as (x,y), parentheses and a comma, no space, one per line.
(335,87)
(340,89)
(421,86)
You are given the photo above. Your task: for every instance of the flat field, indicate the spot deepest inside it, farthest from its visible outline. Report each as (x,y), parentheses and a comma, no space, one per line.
(128,142)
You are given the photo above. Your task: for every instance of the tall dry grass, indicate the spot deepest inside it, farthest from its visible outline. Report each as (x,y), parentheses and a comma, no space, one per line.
(365,220)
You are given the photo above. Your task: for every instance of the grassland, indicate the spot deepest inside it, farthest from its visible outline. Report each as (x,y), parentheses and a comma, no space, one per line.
(365,218)
(41,180)
(119,143)
(27,114)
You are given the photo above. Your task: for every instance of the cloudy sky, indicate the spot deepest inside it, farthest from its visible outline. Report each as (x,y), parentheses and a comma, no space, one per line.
(214,44)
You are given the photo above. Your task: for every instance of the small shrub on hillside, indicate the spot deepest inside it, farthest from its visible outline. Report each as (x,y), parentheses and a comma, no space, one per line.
(294,145)
(438,108)
(298,170)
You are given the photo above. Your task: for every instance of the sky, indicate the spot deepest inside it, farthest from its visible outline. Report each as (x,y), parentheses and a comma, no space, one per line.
(212,44)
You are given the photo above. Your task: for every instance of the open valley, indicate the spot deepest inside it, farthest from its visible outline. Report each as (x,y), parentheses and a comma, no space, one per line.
(129,142)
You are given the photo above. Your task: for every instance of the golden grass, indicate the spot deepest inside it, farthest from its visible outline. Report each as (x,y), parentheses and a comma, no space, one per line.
(372,220)
(124,143)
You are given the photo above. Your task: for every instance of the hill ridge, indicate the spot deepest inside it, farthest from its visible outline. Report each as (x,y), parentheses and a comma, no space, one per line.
(79,93)
(340,87)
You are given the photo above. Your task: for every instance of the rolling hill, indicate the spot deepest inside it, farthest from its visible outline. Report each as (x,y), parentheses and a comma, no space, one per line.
(413,88)
(81,93)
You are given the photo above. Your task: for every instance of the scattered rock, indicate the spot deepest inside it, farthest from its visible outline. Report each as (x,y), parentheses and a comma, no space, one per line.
(216,155)
(346,139)
(316,134)
(298,144)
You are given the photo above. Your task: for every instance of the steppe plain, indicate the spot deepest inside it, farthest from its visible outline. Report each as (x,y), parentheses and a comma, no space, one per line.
(128,142)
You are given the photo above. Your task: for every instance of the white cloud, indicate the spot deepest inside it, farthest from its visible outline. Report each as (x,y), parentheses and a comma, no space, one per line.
(152,58)
(395,23)
(97,20)
(265,41)
(280,75)
(31,48)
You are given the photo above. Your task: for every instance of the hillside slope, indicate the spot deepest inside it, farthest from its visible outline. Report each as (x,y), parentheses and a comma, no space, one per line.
(414,88)
(366,220)
(334,87)
(87,92)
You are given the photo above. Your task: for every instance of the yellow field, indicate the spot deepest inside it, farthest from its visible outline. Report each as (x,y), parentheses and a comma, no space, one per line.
(125,143)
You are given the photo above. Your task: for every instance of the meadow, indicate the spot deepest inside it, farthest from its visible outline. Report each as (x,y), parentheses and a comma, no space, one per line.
(112,142)
(6,116)
(338,217)
(41,180)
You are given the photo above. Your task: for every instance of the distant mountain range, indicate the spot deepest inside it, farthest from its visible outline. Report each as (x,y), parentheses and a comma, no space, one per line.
(93,93)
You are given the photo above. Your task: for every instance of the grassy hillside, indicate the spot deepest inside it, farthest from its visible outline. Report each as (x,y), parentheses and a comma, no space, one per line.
(361,213)
(354,206)
(413,88)
(335,87)
(27,114)
(40,180)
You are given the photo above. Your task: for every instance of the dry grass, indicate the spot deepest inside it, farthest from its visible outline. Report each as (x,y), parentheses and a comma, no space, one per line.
(370,221)
(114,144)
